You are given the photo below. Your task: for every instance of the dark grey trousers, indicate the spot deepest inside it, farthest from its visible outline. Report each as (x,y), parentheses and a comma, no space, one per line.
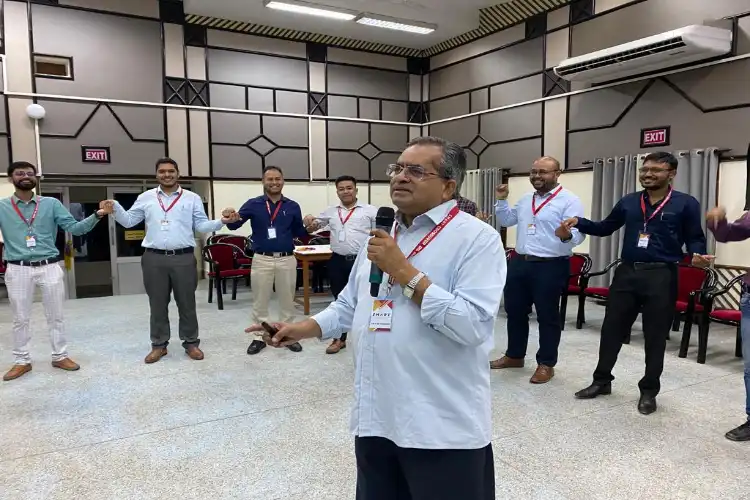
(163,275)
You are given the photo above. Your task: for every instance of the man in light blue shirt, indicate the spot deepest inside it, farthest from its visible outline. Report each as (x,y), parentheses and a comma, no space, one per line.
(422,404)
(29,225)
(540,270)
(172,216)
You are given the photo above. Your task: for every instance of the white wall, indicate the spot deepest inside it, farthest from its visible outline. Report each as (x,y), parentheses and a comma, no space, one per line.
(732,182)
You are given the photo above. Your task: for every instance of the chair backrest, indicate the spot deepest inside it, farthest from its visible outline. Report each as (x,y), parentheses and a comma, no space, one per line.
(238,241)
(222,254)
(510,253)
(580,264)
(691,278)
(215,238)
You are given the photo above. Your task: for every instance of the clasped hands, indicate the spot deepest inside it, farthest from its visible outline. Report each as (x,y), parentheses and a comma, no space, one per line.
(106,207)
(311,223)
(229,215)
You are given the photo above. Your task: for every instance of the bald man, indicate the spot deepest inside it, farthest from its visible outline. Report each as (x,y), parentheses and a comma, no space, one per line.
(540,270)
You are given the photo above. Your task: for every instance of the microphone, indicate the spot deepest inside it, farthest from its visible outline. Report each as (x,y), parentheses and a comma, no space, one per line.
(383,220)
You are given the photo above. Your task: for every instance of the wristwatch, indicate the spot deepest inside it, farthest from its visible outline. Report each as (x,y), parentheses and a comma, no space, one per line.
(412,285)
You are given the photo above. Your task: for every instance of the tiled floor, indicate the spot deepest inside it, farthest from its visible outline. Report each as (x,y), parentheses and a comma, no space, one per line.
(274,426)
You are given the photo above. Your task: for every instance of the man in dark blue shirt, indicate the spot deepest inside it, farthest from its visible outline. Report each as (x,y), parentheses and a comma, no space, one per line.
(276,221)
(658,222)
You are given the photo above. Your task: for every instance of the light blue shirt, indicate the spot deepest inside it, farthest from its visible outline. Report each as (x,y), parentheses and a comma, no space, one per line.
(426,382)
(185,218)
(543,242)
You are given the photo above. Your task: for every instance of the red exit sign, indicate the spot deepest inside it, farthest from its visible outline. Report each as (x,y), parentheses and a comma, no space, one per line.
(655,137)
(99,154)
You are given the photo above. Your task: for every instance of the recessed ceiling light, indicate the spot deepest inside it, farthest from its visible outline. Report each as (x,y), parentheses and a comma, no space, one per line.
(392,23)
(311,9)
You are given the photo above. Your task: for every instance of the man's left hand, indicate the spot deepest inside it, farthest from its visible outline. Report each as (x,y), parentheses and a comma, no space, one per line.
(702,260)
(385,253)
(229,215)
(563,232)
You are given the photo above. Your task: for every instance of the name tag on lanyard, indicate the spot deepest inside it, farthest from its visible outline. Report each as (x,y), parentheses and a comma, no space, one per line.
(271,229)
(643,236)
(531,228)
(164,223)
(30,239)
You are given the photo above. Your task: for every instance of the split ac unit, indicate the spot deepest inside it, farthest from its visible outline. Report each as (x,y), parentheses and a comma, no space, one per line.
(673,48)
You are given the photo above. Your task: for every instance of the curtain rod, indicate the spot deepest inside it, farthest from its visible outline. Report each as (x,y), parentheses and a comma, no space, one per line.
(720,152)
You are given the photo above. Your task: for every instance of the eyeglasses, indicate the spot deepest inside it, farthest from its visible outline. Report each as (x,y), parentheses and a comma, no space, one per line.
(532,173)
(414,172)
(23,173)
(653,170)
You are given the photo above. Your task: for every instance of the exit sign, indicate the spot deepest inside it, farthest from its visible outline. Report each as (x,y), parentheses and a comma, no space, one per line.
(91,154)
(655,137)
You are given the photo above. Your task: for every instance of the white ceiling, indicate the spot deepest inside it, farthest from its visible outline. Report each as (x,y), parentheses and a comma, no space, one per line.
(453,17)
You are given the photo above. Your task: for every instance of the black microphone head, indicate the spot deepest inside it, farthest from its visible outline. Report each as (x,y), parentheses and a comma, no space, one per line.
(385,216)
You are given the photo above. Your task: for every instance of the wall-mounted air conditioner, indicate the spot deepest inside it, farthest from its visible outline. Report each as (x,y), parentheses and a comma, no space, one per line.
(673,48)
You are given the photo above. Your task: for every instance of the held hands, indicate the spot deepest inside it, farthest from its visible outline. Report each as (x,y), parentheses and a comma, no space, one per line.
(484,217)
(716,215)
(310,223)
(106,207)
(501,191)
(702,260)
(383,251)
(229,215)
(564,231)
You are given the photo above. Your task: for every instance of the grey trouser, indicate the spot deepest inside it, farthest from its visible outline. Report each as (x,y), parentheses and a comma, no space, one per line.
(163,275)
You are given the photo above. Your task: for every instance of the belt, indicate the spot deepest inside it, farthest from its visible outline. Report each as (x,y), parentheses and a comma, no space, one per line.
(350,257)
(178,251)
(534,258)
(275,254)
(34,263)
(643,266)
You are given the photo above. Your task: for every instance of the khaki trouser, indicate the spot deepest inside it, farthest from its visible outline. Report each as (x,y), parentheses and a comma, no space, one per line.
(265,271)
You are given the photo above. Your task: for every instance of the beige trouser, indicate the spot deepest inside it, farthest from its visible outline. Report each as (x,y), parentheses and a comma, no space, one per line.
(265,271)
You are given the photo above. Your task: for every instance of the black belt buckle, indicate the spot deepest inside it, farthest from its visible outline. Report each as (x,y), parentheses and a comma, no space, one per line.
(169,252)
(351,258)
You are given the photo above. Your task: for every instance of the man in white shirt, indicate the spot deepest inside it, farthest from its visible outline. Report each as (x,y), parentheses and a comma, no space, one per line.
(540,270)
(421,417)
(350,223)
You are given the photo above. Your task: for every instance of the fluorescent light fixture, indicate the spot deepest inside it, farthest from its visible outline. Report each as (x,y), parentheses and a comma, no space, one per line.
(393,23)
(311,9)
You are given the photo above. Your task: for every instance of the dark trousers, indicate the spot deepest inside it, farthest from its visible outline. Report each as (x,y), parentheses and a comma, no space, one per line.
(163,275)
(537,283)
(339,269)
(387,472)
(652,291)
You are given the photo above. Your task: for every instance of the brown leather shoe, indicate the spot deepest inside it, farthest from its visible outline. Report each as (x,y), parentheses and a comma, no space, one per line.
(194,352)
(16,371)
(66,364)
(156,354)
(542,375)
(336,346)
(506,362)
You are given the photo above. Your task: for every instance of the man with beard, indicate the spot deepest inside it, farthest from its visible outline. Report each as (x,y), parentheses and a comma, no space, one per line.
(172,216)
(29,225)
(276,221)
(422,415)
(540,269)
(658,222)
(350,223)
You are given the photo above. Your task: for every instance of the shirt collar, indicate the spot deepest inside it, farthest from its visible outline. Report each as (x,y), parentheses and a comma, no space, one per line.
(160,190)
(358,204)
(18,200)
(436,215)
(269,200)
(548,193)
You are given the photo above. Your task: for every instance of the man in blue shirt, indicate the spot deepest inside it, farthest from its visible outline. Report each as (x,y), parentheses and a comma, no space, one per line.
(172,216)
(29,225)
(540,270)
(658,222)
(276,221)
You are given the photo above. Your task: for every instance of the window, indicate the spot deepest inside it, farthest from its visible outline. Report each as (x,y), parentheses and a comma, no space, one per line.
(46,66)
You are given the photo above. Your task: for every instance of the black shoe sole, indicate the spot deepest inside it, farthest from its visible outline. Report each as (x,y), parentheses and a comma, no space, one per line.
(252,350)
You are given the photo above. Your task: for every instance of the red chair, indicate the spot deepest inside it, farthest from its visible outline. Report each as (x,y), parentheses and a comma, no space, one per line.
(245,245)
(215,238)
(222,259)
(510,253)
(595,292)
(732,317)
(580,264)
(691,281)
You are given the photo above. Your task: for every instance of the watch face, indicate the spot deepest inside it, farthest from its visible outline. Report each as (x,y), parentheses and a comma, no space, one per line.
(408,292)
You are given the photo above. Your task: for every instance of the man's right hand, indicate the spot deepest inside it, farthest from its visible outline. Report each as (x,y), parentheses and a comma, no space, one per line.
(501,191)
(716,215)
(288,333)
(570,223)
(107,205)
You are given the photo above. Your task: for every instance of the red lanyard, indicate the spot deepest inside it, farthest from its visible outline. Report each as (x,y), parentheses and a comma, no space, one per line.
(646,220)
(536,210)
(33,214)
(275,212)
(166,210)
(428,238)
(344,221)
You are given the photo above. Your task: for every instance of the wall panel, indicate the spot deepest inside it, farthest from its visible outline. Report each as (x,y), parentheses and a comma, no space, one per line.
(255,69)
(251,43)
(475,48)
(366,82)
(368,59)
(146,8)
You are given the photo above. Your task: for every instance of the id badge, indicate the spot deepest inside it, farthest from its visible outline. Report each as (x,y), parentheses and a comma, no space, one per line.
(342,236)
(531,229)
(643,240)
(165,225)
(30,241)
(382,315)
(271,233)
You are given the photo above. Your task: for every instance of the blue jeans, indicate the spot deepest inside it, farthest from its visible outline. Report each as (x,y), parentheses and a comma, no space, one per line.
(745,333)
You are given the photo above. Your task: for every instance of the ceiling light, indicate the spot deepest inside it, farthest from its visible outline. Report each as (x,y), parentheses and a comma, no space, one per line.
(310,9)
(392,23)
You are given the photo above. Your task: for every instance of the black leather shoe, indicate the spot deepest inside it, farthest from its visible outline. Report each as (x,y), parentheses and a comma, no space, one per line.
(647,404)
(296,347)
(256,346)
(741,433)
(594,390)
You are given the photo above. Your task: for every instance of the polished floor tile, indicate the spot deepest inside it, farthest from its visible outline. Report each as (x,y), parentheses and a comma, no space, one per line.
(275,426)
